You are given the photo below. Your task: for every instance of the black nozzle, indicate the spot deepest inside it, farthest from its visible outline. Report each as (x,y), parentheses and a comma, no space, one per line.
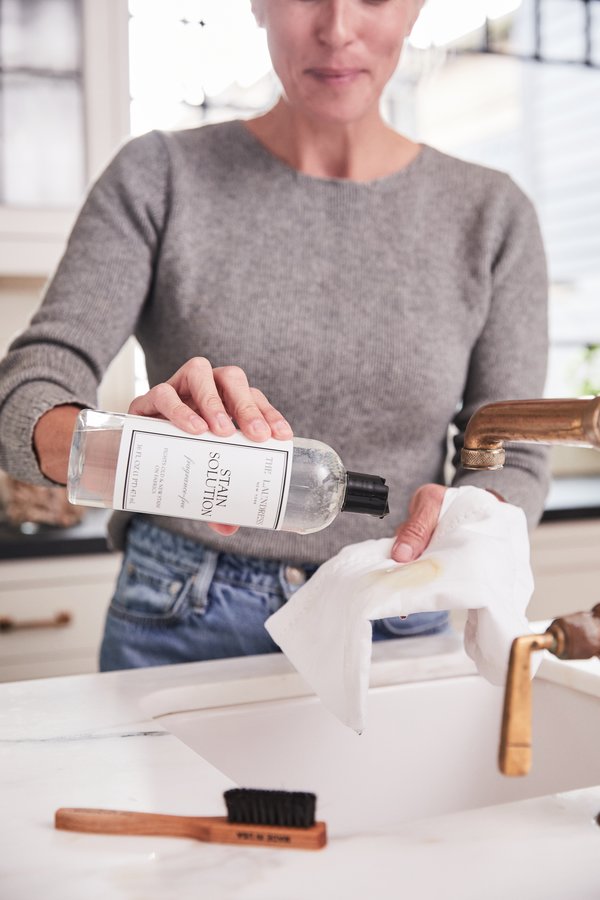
(366,494)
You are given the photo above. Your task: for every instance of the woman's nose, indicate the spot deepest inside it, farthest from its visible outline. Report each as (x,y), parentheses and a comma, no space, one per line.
(337,23)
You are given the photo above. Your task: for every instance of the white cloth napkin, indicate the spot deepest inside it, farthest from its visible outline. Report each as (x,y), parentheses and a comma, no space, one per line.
(477,559)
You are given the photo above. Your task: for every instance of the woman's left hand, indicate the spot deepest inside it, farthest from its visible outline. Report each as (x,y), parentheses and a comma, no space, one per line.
(413,536)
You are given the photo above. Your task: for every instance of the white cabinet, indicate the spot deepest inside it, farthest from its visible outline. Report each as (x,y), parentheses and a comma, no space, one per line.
(74,591)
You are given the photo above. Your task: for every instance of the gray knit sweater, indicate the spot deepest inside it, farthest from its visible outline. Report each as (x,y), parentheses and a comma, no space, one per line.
(371,314)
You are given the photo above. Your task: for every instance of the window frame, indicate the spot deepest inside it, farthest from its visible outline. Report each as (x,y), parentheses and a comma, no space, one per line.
(33,239)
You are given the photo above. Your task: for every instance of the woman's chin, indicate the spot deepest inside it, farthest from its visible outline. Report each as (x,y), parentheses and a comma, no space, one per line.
(338,112)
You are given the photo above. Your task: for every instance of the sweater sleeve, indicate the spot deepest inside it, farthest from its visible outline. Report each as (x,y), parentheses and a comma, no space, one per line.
(509,359)
(92,303)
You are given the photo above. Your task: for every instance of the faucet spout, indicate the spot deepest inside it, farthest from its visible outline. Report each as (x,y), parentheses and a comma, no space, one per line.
(562,421)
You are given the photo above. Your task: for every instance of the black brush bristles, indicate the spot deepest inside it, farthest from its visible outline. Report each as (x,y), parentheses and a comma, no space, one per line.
(289,809)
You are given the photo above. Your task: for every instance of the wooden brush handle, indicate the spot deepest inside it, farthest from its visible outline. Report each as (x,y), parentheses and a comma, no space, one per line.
(212,829)
(114,821)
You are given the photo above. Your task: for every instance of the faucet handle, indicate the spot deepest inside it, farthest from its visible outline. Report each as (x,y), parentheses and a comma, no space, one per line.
(515,738)
(576,636)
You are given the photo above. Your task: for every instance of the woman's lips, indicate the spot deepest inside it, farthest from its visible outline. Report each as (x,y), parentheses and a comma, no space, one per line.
(335,76)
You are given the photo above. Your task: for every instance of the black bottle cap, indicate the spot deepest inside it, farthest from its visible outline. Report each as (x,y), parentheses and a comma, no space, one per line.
(366,494)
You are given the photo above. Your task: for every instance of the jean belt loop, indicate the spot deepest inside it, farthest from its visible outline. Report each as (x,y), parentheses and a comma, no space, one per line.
(203,577)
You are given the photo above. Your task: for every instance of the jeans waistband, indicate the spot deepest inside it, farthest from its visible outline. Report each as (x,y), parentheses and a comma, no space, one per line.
(183,552)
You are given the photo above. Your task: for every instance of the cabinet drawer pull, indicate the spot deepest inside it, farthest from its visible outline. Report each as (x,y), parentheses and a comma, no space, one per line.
(57,621)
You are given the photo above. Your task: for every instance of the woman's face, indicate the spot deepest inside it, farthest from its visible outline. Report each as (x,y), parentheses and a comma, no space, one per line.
(334,57)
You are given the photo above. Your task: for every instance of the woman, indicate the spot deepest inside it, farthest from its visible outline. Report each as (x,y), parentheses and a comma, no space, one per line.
(374,289)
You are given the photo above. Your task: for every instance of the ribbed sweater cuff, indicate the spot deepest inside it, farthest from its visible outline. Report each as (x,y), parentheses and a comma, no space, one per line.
(23,408)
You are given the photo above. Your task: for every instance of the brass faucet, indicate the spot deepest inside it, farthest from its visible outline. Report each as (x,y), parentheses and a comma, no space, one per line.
(571,421)
(531,421)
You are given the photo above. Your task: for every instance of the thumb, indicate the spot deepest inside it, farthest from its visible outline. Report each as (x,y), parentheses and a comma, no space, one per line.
(413,535)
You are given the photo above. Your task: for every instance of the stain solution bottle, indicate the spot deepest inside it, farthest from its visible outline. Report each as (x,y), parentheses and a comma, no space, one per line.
(149,466)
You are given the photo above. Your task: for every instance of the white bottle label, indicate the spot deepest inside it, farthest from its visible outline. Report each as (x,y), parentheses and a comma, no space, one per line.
(232,480)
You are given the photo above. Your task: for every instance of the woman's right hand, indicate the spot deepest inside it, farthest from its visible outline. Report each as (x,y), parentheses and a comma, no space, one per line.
(198,398)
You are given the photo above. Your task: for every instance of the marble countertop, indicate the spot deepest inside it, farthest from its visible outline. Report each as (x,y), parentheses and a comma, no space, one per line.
(85,741)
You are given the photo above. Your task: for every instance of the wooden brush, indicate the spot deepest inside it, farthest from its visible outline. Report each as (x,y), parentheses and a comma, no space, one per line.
(264,818)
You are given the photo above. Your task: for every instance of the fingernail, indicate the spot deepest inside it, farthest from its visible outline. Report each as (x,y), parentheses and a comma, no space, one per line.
(223,421)
(402,552)
(282,427)
(259,427)
(197,423)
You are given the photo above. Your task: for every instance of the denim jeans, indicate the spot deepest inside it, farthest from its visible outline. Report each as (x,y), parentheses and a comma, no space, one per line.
(179,601)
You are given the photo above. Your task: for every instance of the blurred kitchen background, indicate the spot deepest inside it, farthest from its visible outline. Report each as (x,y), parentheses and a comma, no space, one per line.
(514,84)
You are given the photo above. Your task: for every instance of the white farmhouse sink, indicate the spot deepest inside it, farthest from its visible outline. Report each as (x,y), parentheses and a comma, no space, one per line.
(430,747)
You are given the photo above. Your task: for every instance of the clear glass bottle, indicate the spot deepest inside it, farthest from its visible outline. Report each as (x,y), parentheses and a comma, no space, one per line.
(147,465)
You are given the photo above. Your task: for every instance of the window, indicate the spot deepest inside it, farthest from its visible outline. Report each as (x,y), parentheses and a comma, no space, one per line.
(539,121)
(196,61)
(42,159)
(63,111)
